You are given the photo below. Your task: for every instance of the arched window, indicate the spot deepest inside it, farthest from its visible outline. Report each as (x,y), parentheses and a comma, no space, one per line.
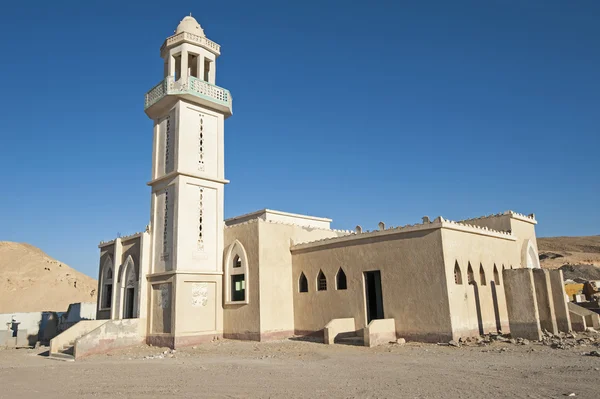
(107,284)
(457,274)
(340,280)
(302,283)
(236,279)
(482,275)
(470,275)
(321,281)
(496,275)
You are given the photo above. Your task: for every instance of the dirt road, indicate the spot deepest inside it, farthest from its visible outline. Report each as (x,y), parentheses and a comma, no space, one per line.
(300,369)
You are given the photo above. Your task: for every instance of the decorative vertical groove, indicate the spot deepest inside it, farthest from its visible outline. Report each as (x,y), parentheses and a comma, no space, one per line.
(201,144)
(168,144)
(200,242)
(166,227)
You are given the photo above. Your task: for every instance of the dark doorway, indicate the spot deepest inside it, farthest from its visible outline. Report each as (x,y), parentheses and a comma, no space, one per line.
(129,303)
(373,295)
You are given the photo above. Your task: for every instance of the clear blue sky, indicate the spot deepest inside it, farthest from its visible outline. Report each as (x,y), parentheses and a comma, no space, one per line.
(359,111)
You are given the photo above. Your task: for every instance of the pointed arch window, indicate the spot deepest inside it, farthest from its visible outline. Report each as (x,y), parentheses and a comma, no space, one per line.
(302,283)
(482,275)
(340,280)
(470,275)
(457,274)
(107,284)
(321,281)
(236,270)
(496,275)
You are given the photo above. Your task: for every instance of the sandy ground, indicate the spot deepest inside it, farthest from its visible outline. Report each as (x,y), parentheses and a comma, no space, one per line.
(301,369)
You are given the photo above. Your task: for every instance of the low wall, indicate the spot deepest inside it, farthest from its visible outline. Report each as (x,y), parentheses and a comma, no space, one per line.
(76,331)
(380,332)
(112,334)
(30,322)
(592,319)
(338,327)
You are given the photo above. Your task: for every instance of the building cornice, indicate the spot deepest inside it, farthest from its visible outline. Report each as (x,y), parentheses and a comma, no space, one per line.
(172,175)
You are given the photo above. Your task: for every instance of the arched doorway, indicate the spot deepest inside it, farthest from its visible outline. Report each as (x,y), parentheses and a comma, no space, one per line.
(129,293)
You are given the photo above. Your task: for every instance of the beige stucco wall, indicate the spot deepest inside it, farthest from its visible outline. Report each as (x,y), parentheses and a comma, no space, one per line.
(523,228)
(243,321)
(412,277)
(276,280)
(198,310)
(478,249)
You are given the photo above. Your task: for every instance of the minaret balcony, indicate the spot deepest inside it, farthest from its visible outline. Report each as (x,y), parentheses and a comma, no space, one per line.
(186,37)
(165,94)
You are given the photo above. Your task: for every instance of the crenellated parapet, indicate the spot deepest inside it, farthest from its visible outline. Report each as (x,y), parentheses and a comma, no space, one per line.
(427,224)
(515,215)
(124,238)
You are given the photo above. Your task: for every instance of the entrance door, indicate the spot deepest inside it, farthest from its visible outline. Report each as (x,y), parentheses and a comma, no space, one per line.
(129,303)
(373,295)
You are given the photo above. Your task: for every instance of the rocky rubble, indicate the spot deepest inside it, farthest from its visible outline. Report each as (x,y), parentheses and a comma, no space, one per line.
(168,353)
(555,341)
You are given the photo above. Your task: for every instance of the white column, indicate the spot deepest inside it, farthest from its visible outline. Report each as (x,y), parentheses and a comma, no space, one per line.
(171,65)
(184,64)
(212,75)
(117,258)
(200,66)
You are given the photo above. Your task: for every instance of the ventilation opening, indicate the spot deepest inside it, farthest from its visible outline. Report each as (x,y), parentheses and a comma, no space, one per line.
(321,282)
(482,275)
(496,275)
(341,280)
(303,283)
(470,275)
(457,274)
(237,262)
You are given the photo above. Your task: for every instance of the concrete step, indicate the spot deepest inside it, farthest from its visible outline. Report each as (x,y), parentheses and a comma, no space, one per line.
(67,350)
(63,357)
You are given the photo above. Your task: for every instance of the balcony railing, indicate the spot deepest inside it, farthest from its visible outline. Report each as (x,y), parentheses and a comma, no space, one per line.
(190,37)
(191,85)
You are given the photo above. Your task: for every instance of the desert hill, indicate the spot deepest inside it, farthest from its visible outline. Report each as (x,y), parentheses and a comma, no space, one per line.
(32,281)
(578,257)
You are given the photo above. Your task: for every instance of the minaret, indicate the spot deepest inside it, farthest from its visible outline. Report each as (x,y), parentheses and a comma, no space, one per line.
(188,110)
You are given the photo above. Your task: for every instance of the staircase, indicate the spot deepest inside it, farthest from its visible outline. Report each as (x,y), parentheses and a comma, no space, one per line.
(64,353)
(62,347)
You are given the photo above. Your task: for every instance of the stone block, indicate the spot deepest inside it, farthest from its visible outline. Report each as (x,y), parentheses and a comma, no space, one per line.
(22,340)
(338,327)
(380,332)
(521,302)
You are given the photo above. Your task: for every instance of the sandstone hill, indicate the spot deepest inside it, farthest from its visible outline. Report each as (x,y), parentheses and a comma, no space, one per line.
(578,257)
(32,281)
